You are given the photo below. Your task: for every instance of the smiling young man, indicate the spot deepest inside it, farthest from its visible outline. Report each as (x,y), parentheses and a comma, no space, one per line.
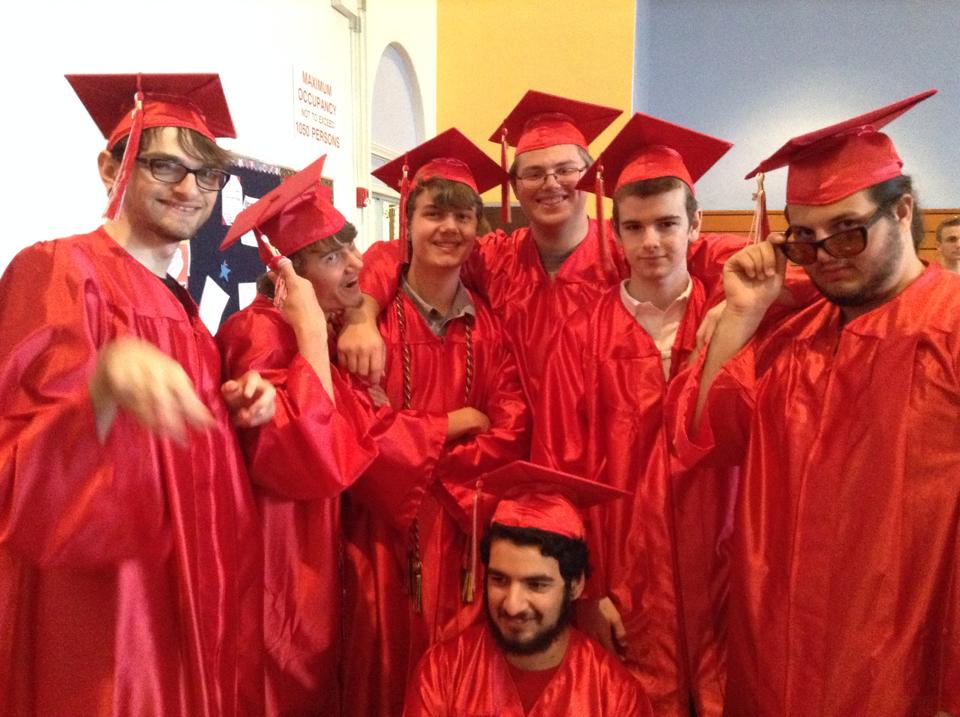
(844,584)
(326,434)
(131,578)
(537,276)
(527,659)
(411,568)
(948,244)
(607,384)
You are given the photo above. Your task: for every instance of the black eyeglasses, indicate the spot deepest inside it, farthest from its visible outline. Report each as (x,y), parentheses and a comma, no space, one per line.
(172,172)
(841,245)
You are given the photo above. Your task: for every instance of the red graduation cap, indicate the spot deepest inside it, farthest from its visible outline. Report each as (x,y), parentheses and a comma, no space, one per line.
(527,495)
(292,215)
(449,155)
(532,496)
(540,120)
(648,148)
(834,162)
(127,104)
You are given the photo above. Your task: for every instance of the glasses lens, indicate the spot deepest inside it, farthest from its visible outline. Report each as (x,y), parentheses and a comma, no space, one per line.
(800,252)
(212,179)
(167,170)
(532,177)
(846,244)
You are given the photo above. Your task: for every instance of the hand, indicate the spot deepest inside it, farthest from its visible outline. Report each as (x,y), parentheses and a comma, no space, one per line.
(136,376)
(300,307)
(753,277)
(709,324)
(251,400)
(466,421)
(601,620)
(360,347)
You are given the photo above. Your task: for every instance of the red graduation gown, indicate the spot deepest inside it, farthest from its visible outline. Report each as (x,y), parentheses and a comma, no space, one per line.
(845,587)
(615,433)
(469,676)
(300,463)
(506,270)
(385,635)
(130,571)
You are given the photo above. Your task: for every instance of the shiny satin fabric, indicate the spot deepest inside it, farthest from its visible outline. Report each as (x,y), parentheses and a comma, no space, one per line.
(505,269)
(615,433)
(130,571)
(300,463)
(385,635)
(469,677)
(844,587)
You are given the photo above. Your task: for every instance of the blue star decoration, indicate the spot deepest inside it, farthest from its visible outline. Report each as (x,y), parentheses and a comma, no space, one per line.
(224,271)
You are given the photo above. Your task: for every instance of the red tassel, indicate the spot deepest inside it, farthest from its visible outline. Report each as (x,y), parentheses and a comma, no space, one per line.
(129,157)
(606,263)
(470,580)
(505,186)
(404,195)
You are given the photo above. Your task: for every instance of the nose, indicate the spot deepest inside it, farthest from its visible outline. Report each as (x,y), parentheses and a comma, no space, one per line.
(449,222)
(651,238)
(551,177)
(355,259)
(515,601)
(187,185)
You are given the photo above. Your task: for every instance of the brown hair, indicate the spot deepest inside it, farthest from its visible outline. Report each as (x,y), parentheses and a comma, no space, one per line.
(951,222)
(346,235)
(191,142)
(447,195)
(651,188)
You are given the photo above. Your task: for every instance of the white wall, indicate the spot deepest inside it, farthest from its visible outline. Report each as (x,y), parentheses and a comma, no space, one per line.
(50,182)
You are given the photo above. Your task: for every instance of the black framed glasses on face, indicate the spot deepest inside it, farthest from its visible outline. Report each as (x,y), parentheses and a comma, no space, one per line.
(842,245)
(171,171)
(535,176)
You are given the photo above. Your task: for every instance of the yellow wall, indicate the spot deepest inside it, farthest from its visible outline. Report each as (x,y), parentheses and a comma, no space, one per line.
(489,52)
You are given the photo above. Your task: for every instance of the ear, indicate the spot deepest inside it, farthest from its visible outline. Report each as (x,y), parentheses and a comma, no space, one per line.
(109,169)
(695,225)
(576,587)
(904,210)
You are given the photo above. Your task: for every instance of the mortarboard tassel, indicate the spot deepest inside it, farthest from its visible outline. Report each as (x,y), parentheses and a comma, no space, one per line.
(271,256)
(470,578)
(505,185)
(130,154)
(404,195)
(605,261)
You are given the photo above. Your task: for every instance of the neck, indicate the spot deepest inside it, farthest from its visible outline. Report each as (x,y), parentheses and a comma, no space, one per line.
(556,242)
(551,657)
(953,266)
(910,273)
(661,293)
(436,286)
(153,253)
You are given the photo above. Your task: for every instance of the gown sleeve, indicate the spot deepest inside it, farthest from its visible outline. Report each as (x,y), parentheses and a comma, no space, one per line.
(66,498)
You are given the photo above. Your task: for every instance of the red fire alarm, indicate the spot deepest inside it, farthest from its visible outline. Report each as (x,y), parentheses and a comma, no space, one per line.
(363,195)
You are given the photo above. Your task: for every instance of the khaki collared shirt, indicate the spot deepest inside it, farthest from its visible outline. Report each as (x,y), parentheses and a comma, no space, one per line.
(662,326)
(438,322)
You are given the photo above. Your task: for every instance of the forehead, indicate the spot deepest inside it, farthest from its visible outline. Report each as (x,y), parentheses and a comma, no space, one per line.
(951,232)
(549,156)
(162,140)
(673,202)
(857,204)
(521,561)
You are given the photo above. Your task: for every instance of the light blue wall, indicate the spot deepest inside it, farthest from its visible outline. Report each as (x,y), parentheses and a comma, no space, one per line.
(757,73)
